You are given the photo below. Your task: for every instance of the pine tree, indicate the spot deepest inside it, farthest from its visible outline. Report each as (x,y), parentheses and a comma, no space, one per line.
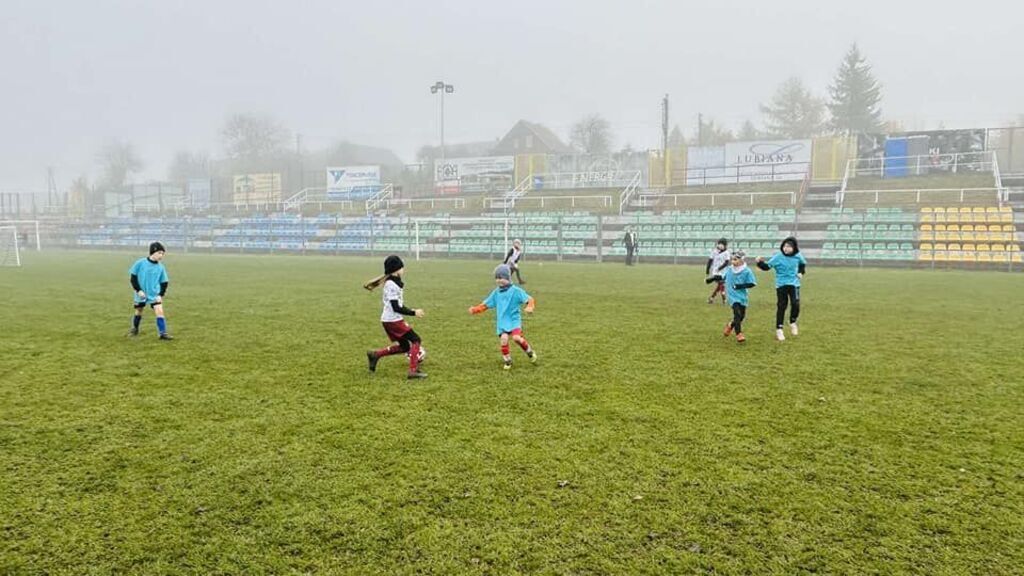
(794,112)
(854,96)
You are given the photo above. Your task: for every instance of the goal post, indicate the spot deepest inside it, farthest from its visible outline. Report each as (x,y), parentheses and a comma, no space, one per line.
(10,252)
(27,232)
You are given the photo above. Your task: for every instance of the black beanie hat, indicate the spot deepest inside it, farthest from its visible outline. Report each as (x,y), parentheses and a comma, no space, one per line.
(156,247)
(393,264)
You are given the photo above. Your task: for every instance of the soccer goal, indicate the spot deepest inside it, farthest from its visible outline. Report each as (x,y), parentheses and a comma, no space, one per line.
(10,252)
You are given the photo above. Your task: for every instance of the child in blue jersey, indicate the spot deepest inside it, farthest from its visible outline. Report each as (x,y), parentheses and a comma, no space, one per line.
(506,300)
(738,279)
(149,280)
(790,266)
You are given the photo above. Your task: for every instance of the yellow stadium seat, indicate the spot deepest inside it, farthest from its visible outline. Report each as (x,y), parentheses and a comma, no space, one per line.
(1015,257)
(1013,248)
(940,227)
(952,247)
(983,248)
(993,218)
(927,246)
(1008,228)
(978,210)
(967,228)
(1007,217)
(1000,256)
(953,227)
(926,209)
(940,247)
(984,257)
(981,228)
(1006,209)
(998,248)
(978,218)
(991,209)
(965,210)
(926,227)
(967,237)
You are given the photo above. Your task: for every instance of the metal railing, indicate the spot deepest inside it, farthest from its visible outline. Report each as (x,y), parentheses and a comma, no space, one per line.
(456,202)
(963,194)
(921,165)
(651,200)
(746,174)
(605,200)
(304,196)
(629,191)
(382,195)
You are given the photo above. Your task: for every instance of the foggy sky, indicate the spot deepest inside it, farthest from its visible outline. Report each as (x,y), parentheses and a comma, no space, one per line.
(164,75)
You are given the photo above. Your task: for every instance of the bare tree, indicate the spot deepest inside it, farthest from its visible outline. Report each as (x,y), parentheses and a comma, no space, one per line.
(794,112)
(591,135)
(252,137)
(188,165)
(119,161)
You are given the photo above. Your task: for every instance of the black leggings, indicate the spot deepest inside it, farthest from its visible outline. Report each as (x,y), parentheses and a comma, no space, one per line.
(739,312)
(408,339)
(787,295)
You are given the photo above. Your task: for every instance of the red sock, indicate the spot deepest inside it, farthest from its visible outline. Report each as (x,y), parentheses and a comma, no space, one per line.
(504,350)
(389,351)
(524,344)
(414,357)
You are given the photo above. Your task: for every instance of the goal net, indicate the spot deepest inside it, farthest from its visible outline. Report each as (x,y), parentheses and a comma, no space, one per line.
(10,252)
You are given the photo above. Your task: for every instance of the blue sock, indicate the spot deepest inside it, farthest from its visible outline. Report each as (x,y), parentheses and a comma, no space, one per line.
(136,320)
(161,325)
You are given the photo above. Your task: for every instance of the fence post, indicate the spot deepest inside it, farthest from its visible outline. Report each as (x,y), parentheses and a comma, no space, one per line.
(600,237)
(559,238)
(417,223)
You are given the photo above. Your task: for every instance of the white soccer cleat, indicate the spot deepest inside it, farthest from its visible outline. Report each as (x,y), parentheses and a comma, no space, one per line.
(779,335)
(793,329)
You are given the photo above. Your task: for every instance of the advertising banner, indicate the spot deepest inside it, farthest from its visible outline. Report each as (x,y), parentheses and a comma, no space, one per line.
(352,182)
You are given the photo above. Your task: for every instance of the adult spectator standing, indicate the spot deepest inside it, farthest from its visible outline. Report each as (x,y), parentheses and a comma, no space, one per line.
(632,243)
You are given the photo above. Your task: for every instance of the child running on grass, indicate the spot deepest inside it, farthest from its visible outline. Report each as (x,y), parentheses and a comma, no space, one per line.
(506,300)
(738,279)
(149,280)
(718,261)
(404,338)
(790,266)
(514,256)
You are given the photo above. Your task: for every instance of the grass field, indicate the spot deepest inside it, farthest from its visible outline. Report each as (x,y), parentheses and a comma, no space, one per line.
(887,439)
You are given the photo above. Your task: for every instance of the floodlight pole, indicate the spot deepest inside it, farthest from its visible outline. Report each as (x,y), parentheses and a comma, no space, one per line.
(441,88)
